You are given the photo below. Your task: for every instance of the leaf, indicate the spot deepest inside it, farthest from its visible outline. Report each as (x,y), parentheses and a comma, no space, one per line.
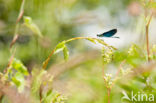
(135,51)
(53,97)
(105,44)
(91,40)
(17,65)
(19,81)
(101,42)
(47,98)
(59,47)
(66,53)
(31,25)
(37,76)
(18,76)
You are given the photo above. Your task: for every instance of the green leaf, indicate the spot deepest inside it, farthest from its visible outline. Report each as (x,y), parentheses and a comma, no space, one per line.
(66,53)
(16,73)
(27,20)
(37,81)
(31,25)
(59,47)
(17,65)
(19,81)
(47,98)
(101,42)
(53,97)
(105,44)
(91,40)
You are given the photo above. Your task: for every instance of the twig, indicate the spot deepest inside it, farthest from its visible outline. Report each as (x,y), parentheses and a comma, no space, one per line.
(109,88)
(10,61)
(45,63)
(108,93)
(147,32)
(14,40)
(21,12)
(40,93)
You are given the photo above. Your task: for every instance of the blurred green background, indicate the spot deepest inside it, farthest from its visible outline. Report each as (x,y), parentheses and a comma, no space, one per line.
(60,20)
(81,78)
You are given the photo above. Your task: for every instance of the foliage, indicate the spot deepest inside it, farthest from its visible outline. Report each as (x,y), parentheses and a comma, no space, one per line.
(38,76)
(29,23)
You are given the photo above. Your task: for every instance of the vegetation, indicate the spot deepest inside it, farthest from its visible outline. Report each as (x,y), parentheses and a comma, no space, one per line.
(34,32)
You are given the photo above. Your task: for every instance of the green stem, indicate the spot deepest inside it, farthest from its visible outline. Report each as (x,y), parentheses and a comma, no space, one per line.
(45,63)
(108,94)
(21,11)
(20,15)
(147,44)
(147,37)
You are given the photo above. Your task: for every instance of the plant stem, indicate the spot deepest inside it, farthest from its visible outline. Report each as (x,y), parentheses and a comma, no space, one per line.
(21,12)
(147,43)
(108,93)
(10,62)
(20,15)
(40,93)
(45,63)
(108,88)
(147,37)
